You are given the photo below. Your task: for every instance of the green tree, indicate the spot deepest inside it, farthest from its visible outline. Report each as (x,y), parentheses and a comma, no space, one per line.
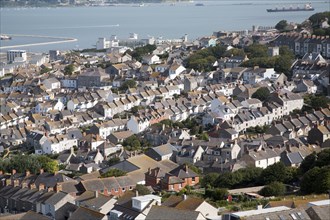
(113,172)
(281,25)
(275,172)
(209,180)
(44,70)
(256,50)
(69,69)
(286,52)
(217,194)
(229,180)
(128,84)
(308,163)
(142,190)
(316,180)
(273,189)
(132,143)
(262,94)
(113,161)
(316,102)
(283,65)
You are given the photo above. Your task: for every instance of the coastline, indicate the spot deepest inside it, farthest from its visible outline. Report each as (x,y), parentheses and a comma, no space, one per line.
(59,41)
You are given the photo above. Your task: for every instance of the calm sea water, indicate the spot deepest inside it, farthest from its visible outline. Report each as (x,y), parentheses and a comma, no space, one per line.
(88,23)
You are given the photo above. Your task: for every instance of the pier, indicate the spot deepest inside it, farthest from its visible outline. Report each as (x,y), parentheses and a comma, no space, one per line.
(59,41)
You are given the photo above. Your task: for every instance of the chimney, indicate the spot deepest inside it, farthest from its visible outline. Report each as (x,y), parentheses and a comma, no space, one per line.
(41,186)
(41,171)
(27,173)
(1,172)
(24,184)
(288,148)
(16,183)
(186,168)
(58,187)
(96,194)
(184,197)
(136,193)
(149,171)
(13,172)
(32,186)
(8,182)
(259,207)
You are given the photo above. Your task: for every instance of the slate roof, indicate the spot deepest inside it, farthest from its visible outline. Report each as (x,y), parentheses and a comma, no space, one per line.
(63,212)
(166,213)
(291,158)
(190,203)
(123,165)
(57,197)
(183,172)
(86,214)
(319,212)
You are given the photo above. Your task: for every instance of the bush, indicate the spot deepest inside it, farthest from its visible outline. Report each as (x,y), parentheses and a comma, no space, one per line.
(142,190)
(273,189)
(113,172)
(217,194)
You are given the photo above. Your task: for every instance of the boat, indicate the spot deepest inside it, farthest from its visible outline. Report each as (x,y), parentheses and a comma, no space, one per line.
(307,7)
(199,4)
(5,37)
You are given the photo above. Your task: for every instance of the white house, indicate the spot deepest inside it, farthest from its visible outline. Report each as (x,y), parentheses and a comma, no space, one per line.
(252,103)
(58,144)
(56,201)
(51,83)
(151,59)
(262,158)
(69,82)
(137,125)
(175,70)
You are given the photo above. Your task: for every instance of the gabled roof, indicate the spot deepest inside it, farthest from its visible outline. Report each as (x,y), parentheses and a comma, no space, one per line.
(183,172)
(166,213)
(56,198)
(86,214)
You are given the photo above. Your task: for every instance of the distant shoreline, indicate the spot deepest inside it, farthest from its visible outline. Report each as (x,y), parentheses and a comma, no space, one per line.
(59,41)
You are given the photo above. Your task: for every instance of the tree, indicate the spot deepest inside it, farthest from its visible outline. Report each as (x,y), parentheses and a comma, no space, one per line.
(307,183)
(273,189)
(281,25)
(128,84)
(142,190)
(275,172)
(45,70)
(113,161)
(132,143)
(286,52)
(113,172)
(69,69)
(217,194)
(262,94)
(316,102)
(257,50)
(283,65)
(209,180)
(229,180)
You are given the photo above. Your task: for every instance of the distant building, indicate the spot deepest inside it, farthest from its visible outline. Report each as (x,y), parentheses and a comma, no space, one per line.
(273,51)
(54,55)
(16,56)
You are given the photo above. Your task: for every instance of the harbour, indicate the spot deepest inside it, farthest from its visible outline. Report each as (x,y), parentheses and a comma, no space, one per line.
(155,20)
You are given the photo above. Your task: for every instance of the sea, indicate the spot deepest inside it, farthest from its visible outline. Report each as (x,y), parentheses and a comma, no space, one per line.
(170,20)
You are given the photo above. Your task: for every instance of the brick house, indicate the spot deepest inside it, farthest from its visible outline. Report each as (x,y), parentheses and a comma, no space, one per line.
(174,180)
